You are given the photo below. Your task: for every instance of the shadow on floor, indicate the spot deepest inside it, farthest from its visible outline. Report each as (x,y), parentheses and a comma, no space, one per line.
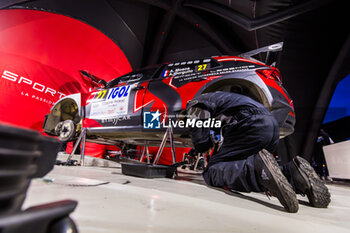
(197,178)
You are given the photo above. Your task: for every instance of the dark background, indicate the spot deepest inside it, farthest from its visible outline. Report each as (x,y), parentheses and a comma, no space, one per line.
(315,35)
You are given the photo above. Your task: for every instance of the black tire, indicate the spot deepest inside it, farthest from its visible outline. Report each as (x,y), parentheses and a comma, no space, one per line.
(19,154)
(63,225)
(66,130)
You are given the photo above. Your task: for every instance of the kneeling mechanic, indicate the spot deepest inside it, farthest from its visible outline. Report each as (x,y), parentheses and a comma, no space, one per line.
(242,161)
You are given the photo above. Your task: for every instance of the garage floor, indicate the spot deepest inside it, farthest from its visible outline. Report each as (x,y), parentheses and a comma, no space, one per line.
(112,202)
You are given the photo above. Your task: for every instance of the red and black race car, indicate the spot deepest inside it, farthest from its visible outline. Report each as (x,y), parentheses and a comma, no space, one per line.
(136,108)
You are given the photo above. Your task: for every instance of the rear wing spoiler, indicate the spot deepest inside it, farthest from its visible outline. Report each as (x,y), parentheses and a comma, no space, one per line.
(271,51)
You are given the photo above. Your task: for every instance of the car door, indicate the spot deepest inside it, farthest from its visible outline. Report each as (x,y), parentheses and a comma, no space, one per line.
(119,106)
(168,92)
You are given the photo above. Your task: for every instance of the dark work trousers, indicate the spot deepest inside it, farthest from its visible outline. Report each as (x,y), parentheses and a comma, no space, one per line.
(251,130)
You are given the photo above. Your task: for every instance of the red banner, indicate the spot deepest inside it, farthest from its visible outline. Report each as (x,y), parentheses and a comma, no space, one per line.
(40,56)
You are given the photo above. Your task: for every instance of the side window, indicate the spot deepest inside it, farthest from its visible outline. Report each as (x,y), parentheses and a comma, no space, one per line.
(189,68)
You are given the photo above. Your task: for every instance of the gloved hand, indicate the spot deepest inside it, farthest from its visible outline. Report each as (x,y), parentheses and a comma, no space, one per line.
(217,139)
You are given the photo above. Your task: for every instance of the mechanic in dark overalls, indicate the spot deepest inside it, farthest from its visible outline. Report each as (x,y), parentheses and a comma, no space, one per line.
(241,161)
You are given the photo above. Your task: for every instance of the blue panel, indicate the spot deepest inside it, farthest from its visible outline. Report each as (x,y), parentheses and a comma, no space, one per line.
(339,106)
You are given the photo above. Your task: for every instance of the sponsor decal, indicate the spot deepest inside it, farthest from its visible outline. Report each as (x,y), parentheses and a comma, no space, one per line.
(151,120)
(118,92)
(110,103)
(115,120)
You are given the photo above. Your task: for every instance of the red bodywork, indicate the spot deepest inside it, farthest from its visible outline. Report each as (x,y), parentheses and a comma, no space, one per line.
(168,90)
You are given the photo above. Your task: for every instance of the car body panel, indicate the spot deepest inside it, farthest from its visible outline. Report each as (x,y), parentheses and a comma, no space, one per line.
(115,114)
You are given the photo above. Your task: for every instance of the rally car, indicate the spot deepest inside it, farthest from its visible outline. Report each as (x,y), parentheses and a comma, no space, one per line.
(138,107)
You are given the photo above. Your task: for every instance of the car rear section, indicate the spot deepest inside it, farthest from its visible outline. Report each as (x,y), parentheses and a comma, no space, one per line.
(252,78)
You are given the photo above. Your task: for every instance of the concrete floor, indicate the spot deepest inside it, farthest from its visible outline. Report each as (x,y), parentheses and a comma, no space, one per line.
(112,202)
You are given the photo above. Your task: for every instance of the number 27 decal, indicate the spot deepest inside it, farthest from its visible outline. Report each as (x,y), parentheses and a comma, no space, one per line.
(202,67)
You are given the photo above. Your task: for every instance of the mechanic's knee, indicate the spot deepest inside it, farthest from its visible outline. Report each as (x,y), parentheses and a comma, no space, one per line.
(213,175)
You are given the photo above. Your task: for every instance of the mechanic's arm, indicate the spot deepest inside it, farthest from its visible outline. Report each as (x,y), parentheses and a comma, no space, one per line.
(200,136)
(201,139)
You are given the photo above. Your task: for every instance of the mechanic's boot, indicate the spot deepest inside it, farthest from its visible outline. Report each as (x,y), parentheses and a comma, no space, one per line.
(271,178)
(306,181)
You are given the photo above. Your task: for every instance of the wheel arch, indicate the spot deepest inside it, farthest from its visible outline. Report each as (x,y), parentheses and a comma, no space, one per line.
(245,86)
(67,108)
